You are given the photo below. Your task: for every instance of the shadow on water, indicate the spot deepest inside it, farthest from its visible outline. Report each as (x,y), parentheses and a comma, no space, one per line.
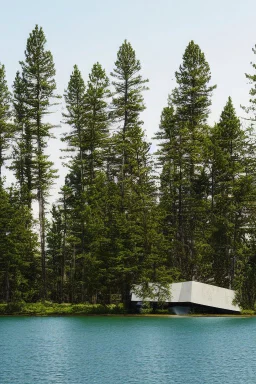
(181,310)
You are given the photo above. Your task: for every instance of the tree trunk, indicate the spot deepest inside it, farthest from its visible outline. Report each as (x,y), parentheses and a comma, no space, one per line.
(42,239)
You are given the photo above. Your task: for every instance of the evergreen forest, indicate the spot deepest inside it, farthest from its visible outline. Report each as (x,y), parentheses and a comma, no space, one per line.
(124,215)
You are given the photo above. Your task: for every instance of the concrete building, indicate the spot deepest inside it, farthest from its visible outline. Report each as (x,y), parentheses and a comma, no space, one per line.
(192,296)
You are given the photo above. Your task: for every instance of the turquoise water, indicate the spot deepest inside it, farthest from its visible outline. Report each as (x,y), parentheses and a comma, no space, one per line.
(110,350)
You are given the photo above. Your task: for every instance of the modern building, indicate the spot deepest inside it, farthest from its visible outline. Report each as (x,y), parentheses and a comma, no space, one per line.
(192,296)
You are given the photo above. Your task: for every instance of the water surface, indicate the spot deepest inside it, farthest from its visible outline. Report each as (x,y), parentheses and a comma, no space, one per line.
(110,350)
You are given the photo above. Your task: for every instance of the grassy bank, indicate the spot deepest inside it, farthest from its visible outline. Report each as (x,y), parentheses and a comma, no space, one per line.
(50,309)
(54,309)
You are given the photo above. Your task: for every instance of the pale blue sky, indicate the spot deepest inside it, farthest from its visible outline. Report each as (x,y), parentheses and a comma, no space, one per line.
(82,32)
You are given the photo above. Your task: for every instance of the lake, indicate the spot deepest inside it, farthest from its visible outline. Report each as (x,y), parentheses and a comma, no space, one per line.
(110,350)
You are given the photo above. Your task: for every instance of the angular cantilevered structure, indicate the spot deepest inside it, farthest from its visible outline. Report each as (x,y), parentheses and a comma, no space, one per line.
(194,296)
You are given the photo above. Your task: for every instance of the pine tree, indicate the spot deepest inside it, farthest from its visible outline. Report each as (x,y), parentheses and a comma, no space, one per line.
(245,279)
(135,224)
(38,74)
(228,197)
(75,182)
(23,147)
(184,133)
(95,147)
(88,117)
(75,104)
(170,161)
(127,104)
(18,270)
(96,120)
(5,115)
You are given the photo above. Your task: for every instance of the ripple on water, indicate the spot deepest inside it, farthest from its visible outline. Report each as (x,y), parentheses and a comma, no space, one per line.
(107,350)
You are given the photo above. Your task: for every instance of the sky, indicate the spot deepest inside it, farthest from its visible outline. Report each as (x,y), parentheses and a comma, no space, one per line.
(83,32)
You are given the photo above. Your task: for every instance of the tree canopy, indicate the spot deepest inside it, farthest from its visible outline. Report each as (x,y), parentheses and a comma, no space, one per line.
(124,216)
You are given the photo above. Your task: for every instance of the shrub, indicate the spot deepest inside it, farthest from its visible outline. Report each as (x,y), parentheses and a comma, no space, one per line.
(15,307)
(247,312)
(3,309)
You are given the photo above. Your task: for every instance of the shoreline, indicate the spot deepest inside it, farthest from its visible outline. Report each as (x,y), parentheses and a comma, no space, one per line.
(48,309)
(125,315)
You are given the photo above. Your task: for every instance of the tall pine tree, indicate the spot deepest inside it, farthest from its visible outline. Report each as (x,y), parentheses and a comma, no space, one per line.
(88,117)
(230,185)
(23,146)
(183,133)
(38,75)
(135,259)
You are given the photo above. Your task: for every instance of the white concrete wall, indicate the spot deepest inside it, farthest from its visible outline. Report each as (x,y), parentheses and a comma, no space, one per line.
(181,292)
(213,296)
(199,293)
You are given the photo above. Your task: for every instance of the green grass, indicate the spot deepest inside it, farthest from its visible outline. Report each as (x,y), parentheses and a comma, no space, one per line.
(48,309)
